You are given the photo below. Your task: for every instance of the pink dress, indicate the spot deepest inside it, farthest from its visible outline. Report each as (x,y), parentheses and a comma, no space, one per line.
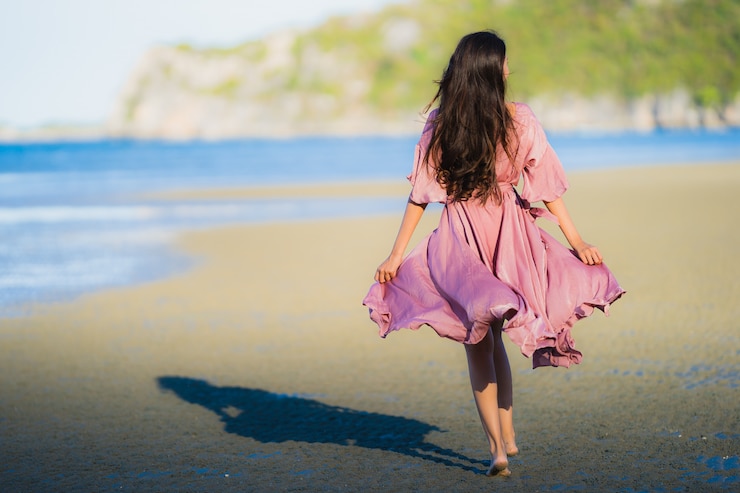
(489,263)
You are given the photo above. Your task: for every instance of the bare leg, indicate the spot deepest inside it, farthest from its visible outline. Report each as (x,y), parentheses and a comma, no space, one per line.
(485,391)
(505,393)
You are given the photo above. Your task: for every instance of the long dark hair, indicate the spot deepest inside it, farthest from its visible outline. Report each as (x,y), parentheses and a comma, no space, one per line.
(473,119)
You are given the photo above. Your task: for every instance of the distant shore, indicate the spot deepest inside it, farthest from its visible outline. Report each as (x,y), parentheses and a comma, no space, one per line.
(411,127)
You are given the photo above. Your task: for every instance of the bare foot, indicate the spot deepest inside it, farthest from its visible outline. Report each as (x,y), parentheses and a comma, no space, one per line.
(499,467)
(511,448)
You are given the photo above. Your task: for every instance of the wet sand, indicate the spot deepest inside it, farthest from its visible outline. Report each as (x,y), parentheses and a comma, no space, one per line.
(258,370)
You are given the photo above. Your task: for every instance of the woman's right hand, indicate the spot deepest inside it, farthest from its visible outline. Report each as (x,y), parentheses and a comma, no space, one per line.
(388,269)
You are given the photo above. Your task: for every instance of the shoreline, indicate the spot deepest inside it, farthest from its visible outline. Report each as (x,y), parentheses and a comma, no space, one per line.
(258,369)
(383,188)
(179,262)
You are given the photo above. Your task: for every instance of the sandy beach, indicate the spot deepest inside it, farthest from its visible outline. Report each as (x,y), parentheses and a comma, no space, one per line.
(259,370)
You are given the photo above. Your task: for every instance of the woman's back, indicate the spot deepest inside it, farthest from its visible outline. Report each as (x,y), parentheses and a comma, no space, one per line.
(531,157)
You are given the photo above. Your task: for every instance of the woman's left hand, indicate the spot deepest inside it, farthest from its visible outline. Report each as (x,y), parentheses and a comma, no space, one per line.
(588,254)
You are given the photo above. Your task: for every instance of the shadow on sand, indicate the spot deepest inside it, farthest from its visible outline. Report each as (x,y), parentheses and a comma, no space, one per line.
(273,418)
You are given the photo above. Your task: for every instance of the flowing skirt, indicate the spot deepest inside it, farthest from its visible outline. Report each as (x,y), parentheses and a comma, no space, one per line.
(488,264)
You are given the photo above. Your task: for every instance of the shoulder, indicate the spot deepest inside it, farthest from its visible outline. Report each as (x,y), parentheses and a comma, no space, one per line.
(528,126)
(431,119)
(426,134)
(523,113)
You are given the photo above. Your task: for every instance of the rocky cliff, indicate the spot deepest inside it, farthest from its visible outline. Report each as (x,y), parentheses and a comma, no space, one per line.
(373,74)
(268,88)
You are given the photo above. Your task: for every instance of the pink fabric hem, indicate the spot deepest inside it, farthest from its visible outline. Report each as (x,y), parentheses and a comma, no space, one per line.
(535,341)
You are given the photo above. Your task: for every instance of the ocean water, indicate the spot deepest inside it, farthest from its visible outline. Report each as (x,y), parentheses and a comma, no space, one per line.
(73,217)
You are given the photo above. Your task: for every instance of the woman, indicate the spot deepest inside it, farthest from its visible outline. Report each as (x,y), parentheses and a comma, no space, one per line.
(488,268)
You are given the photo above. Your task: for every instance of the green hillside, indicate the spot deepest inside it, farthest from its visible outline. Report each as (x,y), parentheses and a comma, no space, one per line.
(624,48)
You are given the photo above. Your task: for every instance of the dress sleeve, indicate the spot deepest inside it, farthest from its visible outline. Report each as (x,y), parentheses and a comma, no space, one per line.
(424,186)
(543,174)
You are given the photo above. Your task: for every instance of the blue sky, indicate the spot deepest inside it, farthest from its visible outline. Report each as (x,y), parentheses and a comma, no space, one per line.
(64,61)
